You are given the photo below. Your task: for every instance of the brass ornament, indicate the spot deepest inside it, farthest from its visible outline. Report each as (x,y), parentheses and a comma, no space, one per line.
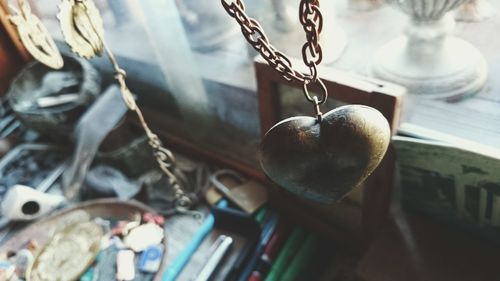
(82,27)
(35,36)
(324,160)
(68,254)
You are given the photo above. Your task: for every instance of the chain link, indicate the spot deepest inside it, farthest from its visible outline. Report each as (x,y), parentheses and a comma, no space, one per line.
(163,156)
(311,20)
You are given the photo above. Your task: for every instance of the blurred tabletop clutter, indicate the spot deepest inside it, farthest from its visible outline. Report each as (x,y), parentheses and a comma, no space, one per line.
(93,206)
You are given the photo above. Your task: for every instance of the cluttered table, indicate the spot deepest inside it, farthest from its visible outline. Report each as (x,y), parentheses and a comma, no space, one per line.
(83,199)
(97,236)
(187,246)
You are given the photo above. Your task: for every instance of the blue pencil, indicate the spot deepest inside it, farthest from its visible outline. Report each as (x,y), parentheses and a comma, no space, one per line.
(175,268)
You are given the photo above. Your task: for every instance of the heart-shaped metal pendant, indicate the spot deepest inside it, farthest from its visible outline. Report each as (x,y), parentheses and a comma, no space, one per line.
(324,160)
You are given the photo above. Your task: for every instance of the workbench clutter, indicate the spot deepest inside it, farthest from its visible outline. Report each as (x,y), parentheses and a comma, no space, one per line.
(233,245)
(241,238)
(110,239)
(52,101)
(97,240)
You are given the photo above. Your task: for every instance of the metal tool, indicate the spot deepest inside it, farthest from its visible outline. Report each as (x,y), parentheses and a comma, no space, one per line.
(32,149)
(47,183)
(7,121)
(217,253)
(10,129)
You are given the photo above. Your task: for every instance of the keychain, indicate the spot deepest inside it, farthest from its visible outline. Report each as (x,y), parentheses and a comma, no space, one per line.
(322,157)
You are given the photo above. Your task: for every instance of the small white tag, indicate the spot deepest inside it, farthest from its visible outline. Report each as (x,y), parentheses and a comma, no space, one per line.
(125,267)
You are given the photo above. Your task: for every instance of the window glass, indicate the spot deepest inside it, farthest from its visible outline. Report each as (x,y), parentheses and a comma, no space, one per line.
(188,62)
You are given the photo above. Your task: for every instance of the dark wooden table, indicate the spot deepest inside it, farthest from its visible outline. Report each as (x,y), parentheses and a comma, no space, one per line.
(414,248)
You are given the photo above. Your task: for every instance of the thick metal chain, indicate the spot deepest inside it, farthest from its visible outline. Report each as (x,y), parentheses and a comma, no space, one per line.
(312,22)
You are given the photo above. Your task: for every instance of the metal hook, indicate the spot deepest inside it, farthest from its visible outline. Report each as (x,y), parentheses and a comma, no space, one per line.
(324,91)
(319,114)
(315,100)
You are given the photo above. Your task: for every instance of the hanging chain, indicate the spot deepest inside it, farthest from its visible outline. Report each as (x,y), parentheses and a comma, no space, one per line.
(164,157)
(82,23)
(312,21)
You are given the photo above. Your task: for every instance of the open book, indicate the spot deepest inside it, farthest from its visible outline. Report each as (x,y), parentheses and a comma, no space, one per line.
(450,179)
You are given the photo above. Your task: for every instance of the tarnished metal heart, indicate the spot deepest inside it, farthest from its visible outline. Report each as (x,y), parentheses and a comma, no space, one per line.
(324,160)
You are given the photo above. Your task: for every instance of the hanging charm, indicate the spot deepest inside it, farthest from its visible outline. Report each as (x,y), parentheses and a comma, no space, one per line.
(82,27)
(324,160)
(325,157)
(35,37)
